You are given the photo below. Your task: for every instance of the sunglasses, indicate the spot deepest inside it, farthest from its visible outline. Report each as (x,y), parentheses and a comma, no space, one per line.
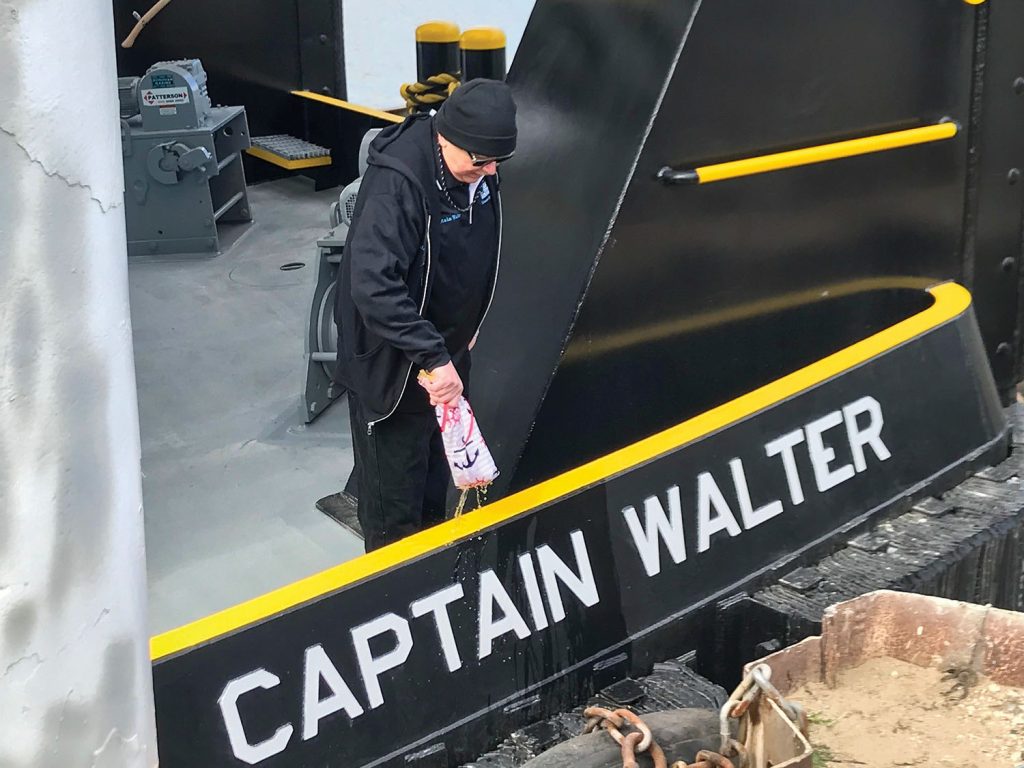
(480,162)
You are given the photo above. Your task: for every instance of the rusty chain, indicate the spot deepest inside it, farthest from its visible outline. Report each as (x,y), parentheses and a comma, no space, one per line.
(756,683)
(706,759)
(641,740)
(731,754)
(741,707)
(762,678)
(629,744)
(637,741)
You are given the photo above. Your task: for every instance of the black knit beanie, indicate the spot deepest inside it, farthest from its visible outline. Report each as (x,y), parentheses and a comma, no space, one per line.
(480,117)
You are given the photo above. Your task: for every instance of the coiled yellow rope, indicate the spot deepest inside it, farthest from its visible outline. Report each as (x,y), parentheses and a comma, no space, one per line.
(430,94)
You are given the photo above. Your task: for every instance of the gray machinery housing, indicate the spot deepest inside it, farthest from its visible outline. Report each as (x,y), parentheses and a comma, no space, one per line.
(321,333)
(182,161)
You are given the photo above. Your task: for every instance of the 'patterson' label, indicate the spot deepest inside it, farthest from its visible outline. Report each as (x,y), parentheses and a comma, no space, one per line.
(163,97)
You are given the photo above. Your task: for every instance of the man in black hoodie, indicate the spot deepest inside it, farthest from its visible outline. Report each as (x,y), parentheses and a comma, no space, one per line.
(417,278)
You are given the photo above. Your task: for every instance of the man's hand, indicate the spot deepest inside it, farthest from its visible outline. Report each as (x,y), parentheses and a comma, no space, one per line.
(442,384)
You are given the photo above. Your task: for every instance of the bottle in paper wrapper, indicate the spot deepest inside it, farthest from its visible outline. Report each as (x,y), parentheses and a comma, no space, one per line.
(471,463)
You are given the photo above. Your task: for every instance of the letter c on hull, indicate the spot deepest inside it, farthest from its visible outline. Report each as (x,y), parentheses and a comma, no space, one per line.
(233,691)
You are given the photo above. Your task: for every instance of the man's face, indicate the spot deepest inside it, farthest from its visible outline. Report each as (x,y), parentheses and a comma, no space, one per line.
(461,163)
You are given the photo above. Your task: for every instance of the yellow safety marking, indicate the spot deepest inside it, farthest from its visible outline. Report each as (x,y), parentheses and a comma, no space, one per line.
(283,162)
(482,39)
(950,301)
(380,114)
(437,32)
(824,152)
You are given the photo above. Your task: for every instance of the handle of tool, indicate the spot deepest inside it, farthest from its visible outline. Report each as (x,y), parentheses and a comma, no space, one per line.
(141,24)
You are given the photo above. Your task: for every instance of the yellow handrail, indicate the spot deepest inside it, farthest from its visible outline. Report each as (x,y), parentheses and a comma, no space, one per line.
(749,166)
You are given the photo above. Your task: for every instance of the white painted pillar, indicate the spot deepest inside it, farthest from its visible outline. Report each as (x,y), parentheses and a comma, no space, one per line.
(75,680)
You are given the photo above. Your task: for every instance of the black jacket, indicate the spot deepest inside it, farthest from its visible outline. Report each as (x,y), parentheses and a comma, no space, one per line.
(385,279)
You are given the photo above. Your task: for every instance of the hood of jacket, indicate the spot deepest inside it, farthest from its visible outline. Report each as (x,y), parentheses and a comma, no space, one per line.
(413,159)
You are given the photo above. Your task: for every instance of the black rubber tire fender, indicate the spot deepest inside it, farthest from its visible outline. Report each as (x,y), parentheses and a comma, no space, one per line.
(680,732)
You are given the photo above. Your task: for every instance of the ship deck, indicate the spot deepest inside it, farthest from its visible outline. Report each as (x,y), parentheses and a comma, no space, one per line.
(231,474)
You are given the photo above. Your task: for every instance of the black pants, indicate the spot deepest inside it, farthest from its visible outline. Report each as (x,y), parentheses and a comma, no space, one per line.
(401,473)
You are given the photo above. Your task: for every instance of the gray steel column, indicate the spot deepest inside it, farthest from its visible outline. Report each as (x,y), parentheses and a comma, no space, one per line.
(75,680)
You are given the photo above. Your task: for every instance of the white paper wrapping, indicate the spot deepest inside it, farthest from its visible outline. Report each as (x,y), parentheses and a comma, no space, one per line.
(471,463)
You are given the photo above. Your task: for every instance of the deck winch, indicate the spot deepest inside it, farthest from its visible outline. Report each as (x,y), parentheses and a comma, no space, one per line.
(175,143)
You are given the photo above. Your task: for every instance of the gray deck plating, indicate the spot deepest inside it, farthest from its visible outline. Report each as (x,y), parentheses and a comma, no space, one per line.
(231,473)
